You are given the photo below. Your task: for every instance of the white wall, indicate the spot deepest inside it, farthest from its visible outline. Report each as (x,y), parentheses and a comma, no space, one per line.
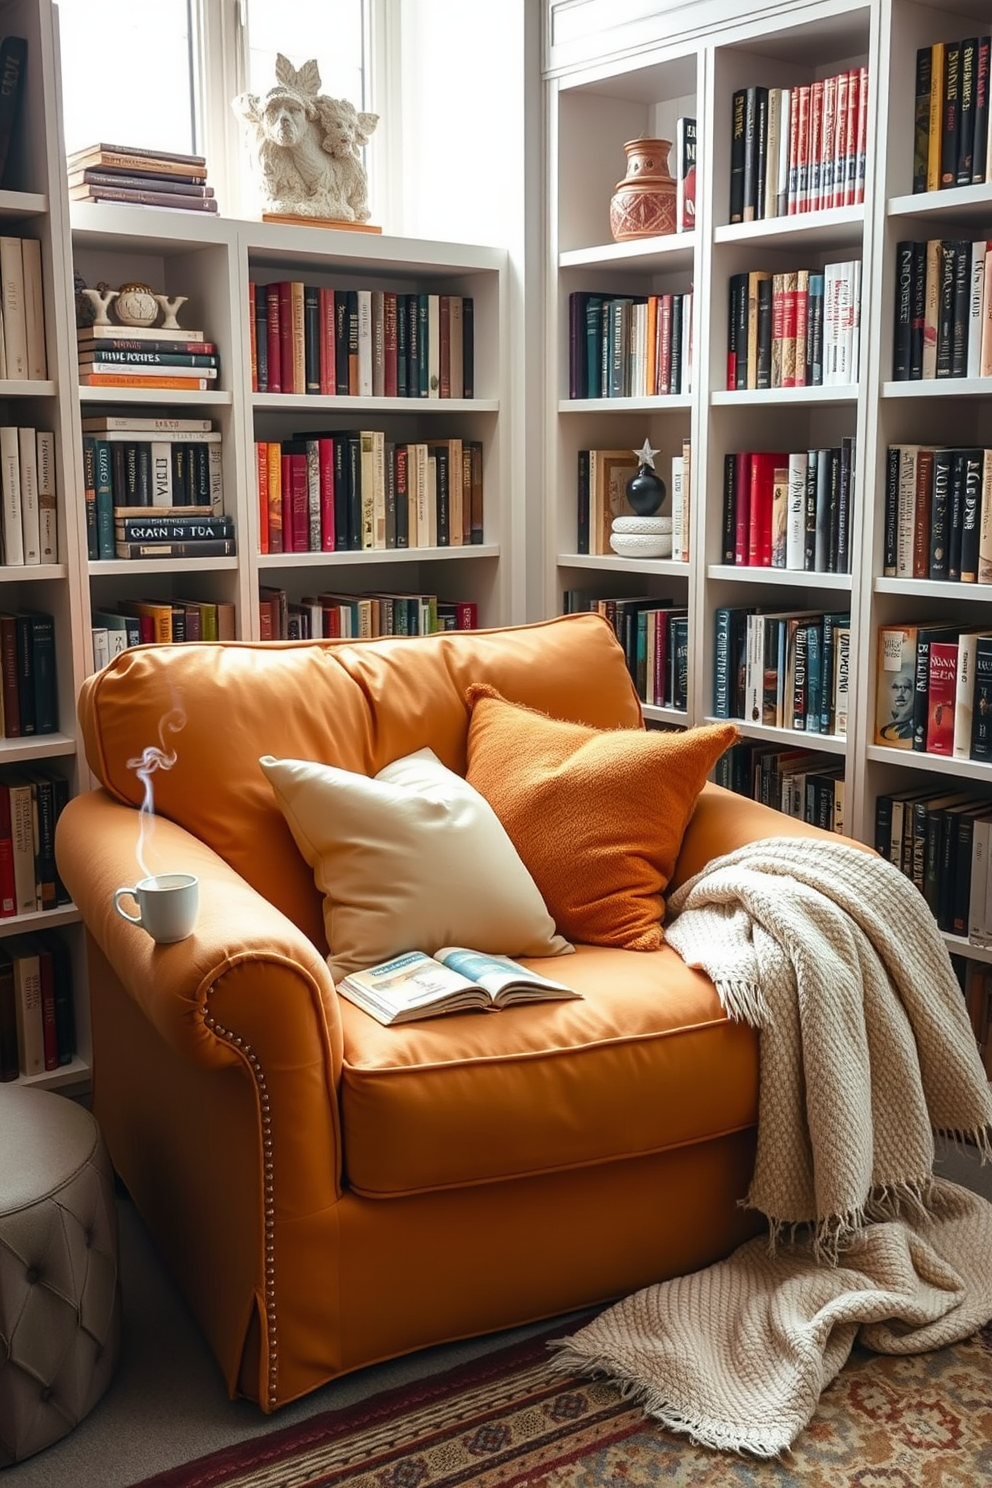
(466,164)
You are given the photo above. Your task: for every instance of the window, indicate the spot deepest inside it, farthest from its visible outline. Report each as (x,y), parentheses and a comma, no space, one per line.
(162,76)
(126,74)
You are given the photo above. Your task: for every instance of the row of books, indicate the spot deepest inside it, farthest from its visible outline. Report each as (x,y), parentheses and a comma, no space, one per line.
(23,354)
(367,343)
(952,117)
(146,178)
(28,688)
(330,616)
(943,309)
(601,495)
(654,634)
(174,471)
(800,328)
(37,1015)
(155,621)
(629,346)
(929,834)
(938,513)
(800,783)
(357,490)
(31,801)
(975,978)
(782,669)
(145,356)
(29,507)
(789,511)
(933,690)
(798,149)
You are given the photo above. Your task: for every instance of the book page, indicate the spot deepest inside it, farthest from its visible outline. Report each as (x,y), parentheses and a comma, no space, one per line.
(408,983)
(494,973)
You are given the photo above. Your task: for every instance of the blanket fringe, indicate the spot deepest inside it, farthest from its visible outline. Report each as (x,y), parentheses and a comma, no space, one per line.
(742,1001)
(702,1431)
(829,1238)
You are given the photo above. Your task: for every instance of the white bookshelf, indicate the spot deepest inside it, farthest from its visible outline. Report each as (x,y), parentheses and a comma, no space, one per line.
(614,73)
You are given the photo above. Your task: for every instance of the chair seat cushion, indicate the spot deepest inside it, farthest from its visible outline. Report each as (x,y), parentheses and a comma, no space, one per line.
(645,1061)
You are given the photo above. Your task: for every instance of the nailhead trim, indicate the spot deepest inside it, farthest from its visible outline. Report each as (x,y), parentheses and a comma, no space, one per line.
(268,1195)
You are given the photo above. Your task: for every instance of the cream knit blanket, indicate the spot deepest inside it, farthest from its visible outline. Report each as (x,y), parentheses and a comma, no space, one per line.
(865,1050)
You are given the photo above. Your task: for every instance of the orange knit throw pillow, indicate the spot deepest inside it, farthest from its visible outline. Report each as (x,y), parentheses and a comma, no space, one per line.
(597,815)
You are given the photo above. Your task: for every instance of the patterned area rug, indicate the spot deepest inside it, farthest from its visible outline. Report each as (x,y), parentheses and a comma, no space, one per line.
(505,1421)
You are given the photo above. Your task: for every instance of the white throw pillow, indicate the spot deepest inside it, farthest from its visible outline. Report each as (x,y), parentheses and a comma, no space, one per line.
(414,859)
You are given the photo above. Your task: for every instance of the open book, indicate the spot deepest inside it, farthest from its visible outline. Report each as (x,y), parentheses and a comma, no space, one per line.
(416,985)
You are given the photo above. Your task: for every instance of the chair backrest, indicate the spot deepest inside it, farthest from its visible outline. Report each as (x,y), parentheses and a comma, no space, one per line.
(358,704)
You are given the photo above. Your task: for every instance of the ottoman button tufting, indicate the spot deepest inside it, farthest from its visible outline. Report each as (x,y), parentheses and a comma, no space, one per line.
(57,1202)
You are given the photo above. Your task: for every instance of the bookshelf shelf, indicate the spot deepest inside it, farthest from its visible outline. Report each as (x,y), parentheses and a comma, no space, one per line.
(810,397)
(729,573)
(831,228)
(18,387)
(909,759)
(32,572)
(660,404)
(606,563)
(268,562)
(677,251)
(157,397)
(938,387)
(315,403)
(23,204)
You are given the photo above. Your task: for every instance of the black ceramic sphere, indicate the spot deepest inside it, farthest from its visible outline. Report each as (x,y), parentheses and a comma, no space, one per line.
(645,491)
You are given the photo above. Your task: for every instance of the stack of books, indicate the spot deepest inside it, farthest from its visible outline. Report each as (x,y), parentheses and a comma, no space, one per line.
(147,178)
(145,356)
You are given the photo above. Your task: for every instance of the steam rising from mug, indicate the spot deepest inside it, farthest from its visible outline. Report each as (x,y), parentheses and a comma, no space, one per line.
(155,757)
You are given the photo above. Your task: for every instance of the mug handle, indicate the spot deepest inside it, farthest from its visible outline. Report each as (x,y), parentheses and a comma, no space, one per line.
(130,894)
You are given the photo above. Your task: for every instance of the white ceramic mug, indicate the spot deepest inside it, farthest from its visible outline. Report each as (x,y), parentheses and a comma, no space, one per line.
(167,905)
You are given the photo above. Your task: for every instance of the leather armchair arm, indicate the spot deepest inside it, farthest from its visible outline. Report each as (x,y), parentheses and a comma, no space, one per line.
(724,821)
(245,974)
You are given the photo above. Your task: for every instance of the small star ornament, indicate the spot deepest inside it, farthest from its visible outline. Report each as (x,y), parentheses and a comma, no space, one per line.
(645,490)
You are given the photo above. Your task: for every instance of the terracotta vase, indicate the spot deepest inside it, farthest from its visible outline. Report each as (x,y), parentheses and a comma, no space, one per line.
(643,205)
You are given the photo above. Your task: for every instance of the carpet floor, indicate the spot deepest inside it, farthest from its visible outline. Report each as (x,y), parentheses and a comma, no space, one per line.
(507,1419)
(167,1406)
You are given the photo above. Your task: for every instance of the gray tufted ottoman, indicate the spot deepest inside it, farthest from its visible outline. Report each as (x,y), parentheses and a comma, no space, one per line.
(59,1287)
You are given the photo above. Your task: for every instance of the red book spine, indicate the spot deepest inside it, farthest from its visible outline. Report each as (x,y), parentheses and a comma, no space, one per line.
(742,498)
(763,465)
(861,136)
(262,469)
(940,697)
(273,338)
(851,141)
(802,150)
(325,456)
(390,344)
(300,501)
(286,335)
(325,334)
(840,139)
(815,144)
(286,503)
(792,200)
(467,613)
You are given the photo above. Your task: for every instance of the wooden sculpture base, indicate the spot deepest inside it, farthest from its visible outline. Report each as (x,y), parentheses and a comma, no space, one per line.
(365,227)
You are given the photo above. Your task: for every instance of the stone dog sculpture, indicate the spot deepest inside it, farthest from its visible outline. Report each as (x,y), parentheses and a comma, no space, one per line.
(307,146)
